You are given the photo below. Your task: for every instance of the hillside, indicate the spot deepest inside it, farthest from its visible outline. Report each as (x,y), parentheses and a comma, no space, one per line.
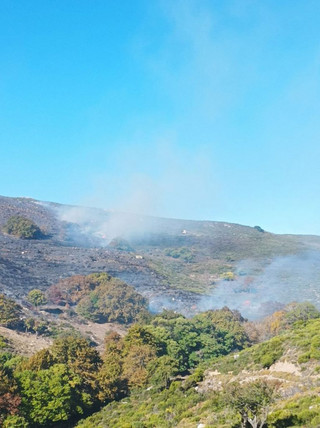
(174,263)
(289,362)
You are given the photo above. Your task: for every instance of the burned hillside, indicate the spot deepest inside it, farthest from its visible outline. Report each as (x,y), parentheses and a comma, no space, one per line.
(176,264)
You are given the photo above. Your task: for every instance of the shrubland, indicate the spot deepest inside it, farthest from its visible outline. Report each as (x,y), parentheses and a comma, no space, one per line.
(233,390)
(70,379)
(166,371)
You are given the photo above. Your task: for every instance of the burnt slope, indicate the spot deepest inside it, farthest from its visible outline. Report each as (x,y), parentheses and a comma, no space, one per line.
(168,261)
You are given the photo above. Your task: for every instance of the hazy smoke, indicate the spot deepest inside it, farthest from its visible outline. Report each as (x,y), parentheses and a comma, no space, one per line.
(260,287)
(99,227)
(285,279)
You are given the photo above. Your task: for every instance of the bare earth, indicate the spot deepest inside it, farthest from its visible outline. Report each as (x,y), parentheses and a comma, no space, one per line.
(25,343)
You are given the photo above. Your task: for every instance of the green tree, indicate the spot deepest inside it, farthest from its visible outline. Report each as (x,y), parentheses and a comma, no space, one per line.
(161,370)
(135,364)
(252,401)
(10,312)
(9,397)
(100,298)
(36,297)
(83,360)
(22,227)
(50,395)
(300,312)
(15,421)
(112,384)
(112,302)
(41,360)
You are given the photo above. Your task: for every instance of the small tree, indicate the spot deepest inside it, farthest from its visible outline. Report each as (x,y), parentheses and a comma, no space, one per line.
(36,297)
(161,370)
(22,227)
(10,312)
(252,401)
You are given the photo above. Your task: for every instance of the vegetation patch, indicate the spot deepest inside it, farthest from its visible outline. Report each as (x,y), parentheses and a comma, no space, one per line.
(182,253)
(10,312)
(23,228)
(99,298)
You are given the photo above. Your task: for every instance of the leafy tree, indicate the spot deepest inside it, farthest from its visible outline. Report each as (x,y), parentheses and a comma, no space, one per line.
(142,335)
(100,298)
(136,362)
(252,401)
(285,318)
(9,396)
(14,421)
(50,395)
(71,290)
(22,227)
(300,312)
(161,370)
(81,359)
(10,312)
(39,326)
(112,385)
(112,303)
(36,297)
(41,360)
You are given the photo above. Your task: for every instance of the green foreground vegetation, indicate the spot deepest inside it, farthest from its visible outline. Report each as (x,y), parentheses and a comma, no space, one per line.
(182,404)
(166,371)
(71,379)
(157,374)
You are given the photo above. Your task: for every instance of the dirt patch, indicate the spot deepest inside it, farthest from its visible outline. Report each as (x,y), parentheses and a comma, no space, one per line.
(285,367)
(97,332)
(25,343)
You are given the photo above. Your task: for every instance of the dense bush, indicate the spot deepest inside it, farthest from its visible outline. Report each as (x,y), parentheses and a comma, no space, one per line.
(36,297)
(147,366)
(69,380)
(54,385)
(22,227)
(286,318)
(10,313)
(100,298)
(182,253)
(178,404)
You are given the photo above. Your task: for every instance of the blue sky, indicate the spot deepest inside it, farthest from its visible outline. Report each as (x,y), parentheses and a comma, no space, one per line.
(190,109)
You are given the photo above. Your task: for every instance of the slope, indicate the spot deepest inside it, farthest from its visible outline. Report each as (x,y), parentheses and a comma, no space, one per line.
(290,362)
(171,262)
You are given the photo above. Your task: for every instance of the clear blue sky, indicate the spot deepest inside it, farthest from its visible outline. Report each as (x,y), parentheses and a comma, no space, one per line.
(191,109)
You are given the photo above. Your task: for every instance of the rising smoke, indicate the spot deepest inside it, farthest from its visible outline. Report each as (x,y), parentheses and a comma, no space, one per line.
(260,287)
(99,227)
(283,280)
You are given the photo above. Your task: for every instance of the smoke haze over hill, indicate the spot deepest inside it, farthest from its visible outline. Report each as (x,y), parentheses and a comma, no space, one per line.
(282,280)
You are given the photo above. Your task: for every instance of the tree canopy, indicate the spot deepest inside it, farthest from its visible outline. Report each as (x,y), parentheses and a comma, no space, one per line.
(22,227)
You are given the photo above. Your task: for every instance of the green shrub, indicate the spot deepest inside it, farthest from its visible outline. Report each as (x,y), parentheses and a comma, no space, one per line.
(182,253)
(100,298)
(3,342)
(14,421)
(10,313)
(36,297)
(22,227)
(228,276)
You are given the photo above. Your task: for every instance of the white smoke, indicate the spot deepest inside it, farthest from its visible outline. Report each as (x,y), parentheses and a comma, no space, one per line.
(283,280)
(100,227)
